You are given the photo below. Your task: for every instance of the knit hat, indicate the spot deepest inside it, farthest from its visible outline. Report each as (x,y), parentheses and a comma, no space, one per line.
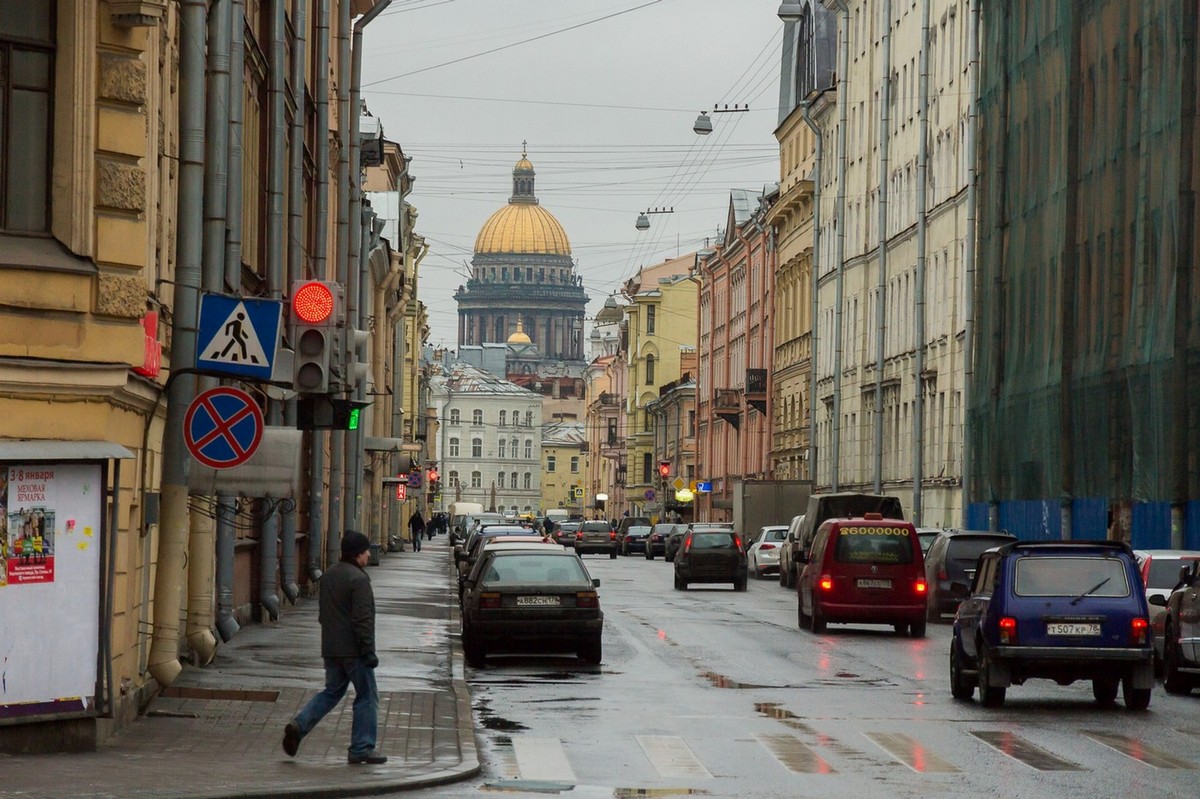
(354,543)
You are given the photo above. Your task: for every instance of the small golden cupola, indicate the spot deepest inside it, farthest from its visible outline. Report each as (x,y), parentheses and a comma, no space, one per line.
(520,336)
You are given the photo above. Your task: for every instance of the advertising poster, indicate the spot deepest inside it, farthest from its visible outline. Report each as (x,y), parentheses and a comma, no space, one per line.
(50,515)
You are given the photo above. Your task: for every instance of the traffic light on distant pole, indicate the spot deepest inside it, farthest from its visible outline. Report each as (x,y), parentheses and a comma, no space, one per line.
(664,469)
(315,306)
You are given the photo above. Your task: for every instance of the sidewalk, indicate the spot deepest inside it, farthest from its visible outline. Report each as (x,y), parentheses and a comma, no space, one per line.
(218,732)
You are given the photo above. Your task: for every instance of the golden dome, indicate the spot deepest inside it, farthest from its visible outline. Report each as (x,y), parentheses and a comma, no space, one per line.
(524,163)
(523,228)
(519,337)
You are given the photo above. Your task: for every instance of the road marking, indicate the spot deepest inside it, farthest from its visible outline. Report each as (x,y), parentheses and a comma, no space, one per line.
(911,753)
(1024,751)
(542,759)
(794,754)
(1136,749)
(671,757)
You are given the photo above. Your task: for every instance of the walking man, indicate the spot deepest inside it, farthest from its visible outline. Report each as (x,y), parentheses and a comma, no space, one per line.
(416,529)
(347,616)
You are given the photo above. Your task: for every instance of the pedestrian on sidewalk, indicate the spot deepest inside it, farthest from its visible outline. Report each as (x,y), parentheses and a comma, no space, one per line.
(416,529)
(347,617)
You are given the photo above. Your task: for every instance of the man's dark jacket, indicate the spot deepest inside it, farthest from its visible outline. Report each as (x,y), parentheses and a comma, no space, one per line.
(347,612)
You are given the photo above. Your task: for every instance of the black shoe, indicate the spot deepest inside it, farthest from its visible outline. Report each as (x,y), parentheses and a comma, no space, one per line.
(372,758)
(291,738)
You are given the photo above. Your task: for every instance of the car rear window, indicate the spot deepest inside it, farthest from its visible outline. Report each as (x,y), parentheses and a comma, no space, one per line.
(593,527)
(969,549)
(712,540)
(862,544)
(1164,572)
(637,531)
(532,568)
(1070,576)
(774,535)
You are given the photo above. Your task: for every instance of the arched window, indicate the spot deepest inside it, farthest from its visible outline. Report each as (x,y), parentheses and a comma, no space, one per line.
(476,447)
(503,418)
(514,447)
(529,418)
(477,417)
(500,479)
(502,448)
(512,482)
(528,449)
(453,479)
(649,370)
(476,479)
(528,480)
(454,416)
(454,448)
(516,418)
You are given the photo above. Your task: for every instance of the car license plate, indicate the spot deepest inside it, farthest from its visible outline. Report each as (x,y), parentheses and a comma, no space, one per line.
(874,583)
(537,600)
(1063,628)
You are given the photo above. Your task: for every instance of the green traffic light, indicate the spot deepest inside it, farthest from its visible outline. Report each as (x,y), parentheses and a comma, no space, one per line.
(352,422)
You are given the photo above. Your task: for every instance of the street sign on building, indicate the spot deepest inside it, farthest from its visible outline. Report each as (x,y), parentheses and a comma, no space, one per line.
(650,495)
(223,427)
(238,336)
(703,487)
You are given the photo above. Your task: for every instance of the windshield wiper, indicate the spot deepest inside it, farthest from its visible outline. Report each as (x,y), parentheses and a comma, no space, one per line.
(1095,587)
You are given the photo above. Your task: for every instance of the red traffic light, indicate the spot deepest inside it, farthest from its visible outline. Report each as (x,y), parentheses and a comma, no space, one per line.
(664,469)
(312,303)
(433,475)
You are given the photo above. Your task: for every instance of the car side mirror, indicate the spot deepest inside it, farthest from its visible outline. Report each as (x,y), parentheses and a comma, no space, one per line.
(595,582)
(1185,575)
(1159,600)
(802,557)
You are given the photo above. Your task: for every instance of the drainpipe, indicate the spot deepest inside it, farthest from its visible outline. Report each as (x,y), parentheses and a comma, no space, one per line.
(227,625)
(163,660)
(839,255)
(316,438)
(885,132)
(268,542)
(202,541)
(819,154)
(969,266)
(295,266)
(922,230)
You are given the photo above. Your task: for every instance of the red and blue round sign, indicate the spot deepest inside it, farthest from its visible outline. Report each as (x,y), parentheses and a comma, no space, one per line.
(223,427)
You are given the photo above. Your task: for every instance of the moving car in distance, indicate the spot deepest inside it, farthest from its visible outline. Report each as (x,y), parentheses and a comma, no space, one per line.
(762,556)
(634,539)
(564,533)
(866,570)
(950,566)
(675,541)
(1059,610)
(530,599)
(656,542)
(596,536)
(711,556)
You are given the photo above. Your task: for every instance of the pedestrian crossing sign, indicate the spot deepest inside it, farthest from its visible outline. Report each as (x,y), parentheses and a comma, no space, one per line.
(238,336)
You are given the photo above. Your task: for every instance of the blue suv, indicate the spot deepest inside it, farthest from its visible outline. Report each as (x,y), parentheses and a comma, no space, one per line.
(1065,611)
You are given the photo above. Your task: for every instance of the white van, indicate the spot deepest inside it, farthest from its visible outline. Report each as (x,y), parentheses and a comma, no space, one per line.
(459,511)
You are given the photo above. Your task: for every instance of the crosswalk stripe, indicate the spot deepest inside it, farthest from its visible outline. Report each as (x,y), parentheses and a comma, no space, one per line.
(671,756)
(542,759)
(1138,750)
(911,753)
(1024,751)
(794,754)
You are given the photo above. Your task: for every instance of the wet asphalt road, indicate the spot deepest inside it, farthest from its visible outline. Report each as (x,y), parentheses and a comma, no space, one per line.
(715,693)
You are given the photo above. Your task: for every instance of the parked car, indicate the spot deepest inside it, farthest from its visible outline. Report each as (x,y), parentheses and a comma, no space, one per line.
(596,536)
(675,541)
(467,553)
(950,566)
(531,598)
(1181,631)
(762,556)
(821,507)
(1061,610)
(1160,568)
(656,542)
(927,535)
(634,539)
(866,570)
(711,555)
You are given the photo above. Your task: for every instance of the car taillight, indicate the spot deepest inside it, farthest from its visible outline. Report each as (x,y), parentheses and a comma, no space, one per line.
(579,536)
(766,546)
(826,582)
(942,574)
(612,535)
(587,599)
(920,587)
(687,543)
(489,599)
(1008,630)
(737,540)
(1137,631)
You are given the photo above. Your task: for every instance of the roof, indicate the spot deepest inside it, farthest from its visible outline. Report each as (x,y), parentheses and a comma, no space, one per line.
(572,433)
(466,379)
(523,228)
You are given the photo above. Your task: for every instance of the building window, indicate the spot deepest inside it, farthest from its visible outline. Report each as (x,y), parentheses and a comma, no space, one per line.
(550,463)
(649,370)
(476,447)
(503,448)
(500,479)
(646,467)
(455,417)
(528,480)
(516,418)
(650,310)
(512,480)
(575,464)
(529,418)
(612,432)
(453,479)
(528,449)
(691,427)
(476,479)
(26,89)
(503,418)
(477,417)
(454,448)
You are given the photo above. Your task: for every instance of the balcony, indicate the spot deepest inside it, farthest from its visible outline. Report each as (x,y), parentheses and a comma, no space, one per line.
(727,405)
(756,389)
(609,400)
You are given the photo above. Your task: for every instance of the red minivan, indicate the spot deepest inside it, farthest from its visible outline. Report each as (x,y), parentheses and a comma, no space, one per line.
(867,570)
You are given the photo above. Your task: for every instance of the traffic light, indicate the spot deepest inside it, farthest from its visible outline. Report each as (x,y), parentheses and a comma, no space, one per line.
(356,373)
(315,307)
(323,412)
(664,469)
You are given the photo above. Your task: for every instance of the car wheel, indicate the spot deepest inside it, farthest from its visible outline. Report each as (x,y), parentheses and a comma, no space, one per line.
(739,583)
(782,581)
(1104,689)
(819,625)
(474,650)
(612,554)
(649,553)
(1135,698)
(591,652)
(801,619)
(960,686)
(625,550)
(678,583)
(932,614)
(900,629)
(916,629)
(1173,680)
(989,695)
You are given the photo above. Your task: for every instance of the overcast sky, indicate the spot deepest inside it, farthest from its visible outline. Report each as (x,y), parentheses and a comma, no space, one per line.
(605,94)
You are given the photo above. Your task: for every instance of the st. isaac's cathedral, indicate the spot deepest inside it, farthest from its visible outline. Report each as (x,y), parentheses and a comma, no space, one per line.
(523,289)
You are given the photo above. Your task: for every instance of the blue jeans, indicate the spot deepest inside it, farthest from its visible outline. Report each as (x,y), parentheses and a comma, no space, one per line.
(339,673)
(417,535)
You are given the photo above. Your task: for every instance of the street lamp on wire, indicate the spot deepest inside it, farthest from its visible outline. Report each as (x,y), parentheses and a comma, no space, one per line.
(643,220)
(703,124)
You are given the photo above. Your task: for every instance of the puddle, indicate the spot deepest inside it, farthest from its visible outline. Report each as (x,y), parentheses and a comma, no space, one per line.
(721,681)
(497,723)
(632,793)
